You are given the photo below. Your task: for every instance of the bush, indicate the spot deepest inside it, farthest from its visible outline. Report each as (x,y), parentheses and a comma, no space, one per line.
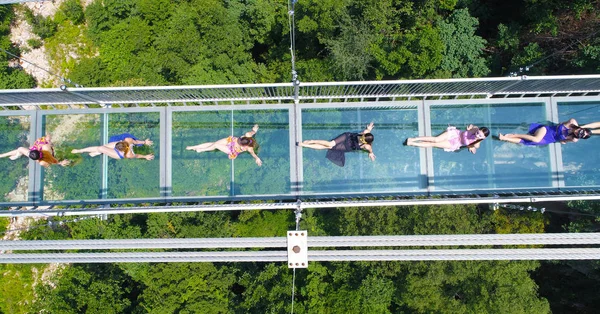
(34,43)
(43,27)
(74,11)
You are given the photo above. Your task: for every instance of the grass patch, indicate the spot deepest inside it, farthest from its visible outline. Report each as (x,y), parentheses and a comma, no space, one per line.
(17,287)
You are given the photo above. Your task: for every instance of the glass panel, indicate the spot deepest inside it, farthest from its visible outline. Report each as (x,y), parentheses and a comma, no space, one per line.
(82,179)
(14,132)
(273,136)
(396,168)
(496,164)
(580,167)
(135,178)
(200,174)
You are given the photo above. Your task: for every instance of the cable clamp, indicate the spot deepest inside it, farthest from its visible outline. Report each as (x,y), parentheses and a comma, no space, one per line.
(297,248)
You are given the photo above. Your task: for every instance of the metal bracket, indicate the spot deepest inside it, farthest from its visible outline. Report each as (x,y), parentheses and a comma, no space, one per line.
(297,248)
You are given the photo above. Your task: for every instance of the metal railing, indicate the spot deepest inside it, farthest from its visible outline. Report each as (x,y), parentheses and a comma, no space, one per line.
(271,255)
(307,92)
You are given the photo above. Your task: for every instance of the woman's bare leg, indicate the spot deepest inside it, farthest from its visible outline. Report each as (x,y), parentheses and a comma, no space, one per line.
(98,150)
(516,138)
(199,146)
(445,144)
(214,146)
(222,145)
(411,141)
(509,138)
(16,154)
(318,144)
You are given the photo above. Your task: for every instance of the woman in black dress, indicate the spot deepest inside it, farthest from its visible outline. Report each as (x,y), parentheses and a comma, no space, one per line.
(345,142)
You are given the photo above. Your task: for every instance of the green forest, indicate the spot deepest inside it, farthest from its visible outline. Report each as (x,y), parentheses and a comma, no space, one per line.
(179,42)
(333,287)
(174,42)
(371,287)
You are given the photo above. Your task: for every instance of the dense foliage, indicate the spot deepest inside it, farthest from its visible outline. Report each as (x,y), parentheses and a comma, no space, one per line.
(10,76)
(372,287)
(162,42)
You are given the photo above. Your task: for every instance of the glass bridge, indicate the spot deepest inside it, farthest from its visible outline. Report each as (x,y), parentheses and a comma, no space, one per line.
(176,117)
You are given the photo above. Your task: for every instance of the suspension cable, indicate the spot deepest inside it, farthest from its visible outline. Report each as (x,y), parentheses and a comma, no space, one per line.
(292,25)
(527,67)
(62,79)
(50,223)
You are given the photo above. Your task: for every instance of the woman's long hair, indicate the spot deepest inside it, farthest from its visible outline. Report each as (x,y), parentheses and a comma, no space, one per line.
(48,157)
(368,138)
(581,133)
(250,142)
(485,131)
(122,147)
(35,154)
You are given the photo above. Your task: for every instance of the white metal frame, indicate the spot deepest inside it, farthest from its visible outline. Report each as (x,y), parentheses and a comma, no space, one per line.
(165,100)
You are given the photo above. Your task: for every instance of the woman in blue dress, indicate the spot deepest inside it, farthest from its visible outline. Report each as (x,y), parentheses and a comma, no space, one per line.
(540,134)
(118,147)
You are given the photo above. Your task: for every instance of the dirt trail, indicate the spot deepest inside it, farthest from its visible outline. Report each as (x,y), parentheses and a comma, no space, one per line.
(21,32)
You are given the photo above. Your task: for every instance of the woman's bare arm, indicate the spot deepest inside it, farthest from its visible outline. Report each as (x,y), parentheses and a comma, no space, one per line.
(131,154)
(369,148)
(251,151)
(594,126)
(569,123)
(144,142)
(473,147)
(138,156)
(252,132)
(368,129)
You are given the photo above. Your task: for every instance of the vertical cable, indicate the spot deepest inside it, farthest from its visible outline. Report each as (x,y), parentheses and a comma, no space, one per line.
(293,289)
(292,25)
(232,182)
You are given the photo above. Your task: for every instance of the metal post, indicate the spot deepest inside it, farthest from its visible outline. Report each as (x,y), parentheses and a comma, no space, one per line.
(556,163)
(35,170)
(426,155)
(232,178)
(104,188)
(296,168)
(166,145)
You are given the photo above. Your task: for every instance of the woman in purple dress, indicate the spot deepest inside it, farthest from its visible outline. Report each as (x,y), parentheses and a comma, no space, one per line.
(540,134)
(453,139)
(343,143)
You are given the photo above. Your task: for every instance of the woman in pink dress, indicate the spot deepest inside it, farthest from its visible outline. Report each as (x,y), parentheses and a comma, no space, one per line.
(453,139)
